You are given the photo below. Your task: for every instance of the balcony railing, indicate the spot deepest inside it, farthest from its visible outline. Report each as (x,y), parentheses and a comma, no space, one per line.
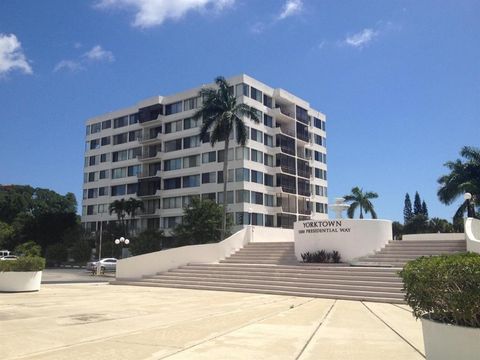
(150,138)
(286,131)
(150,155)
(285,111)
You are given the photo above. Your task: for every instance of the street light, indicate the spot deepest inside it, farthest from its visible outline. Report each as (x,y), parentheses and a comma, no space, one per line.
(470,209)
(122,241)
(251,223)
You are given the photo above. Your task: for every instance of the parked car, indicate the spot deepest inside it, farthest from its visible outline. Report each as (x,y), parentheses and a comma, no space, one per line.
(4,253)
(106,264)
(8,257)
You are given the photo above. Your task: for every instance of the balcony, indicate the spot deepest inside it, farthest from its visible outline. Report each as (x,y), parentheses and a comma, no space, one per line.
(283,114)
(283,130)
(150,156)
(148,174)
(147,138)
(149,193)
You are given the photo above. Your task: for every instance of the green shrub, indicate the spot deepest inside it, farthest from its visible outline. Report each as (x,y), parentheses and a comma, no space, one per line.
(30,248)
(321,256)
(444,288)
(56,254)
(23,263)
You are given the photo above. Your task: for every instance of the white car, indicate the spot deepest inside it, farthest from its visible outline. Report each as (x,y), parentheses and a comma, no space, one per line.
(106,264)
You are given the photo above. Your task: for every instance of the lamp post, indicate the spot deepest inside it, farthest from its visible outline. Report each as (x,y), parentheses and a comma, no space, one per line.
(250,220)
(470,210)
(99,266)
(122,241)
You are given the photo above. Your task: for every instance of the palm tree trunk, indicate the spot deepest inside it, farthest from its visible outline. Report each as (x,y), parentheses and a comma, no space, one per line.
(361,212)
(225,180)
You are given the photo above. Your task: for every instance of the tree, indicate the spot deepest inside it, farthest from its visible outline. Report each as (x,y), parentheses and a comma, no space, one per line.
(221,114)
(81,251)
(464,176)
(417,225)
(119,207)
(437,225)
(397,230)
(417,204)
(361,200)
(6,233)
(30,248)
(407,209)
(55,254)
(147,241)
(201,223)
(424,209)
(131,207)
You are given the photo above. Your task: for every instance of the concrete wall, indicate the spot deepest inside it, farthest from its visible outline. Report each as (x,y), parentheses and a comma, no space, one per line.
(352,238)
(472,234)
(148,264)
(268,234)
(434,236)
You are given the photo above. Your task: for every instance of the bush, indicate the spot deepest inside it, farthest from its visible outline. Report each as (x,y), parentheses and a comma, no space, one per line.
(30,248)
(56,254)
(23,263)
(444,288)
(321,256)
(148,241)
(81,251)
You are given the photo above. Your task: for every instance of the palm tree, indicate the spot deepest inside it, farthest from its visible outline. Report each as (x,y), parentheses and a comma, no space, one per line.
(221,114)
(131,207)
(361,200)
(464,177)
(119,208)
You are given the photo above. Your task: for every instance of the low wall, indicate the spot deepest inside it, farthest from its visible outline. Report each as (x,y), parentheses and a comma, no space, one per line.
(148,264)
(472,234)
(434,236)
(270,234)
(351,238)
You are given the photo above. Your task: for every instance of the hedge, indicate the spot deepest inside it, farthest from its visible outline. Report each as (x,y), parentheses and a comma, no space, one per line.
(444,288)
(23,263)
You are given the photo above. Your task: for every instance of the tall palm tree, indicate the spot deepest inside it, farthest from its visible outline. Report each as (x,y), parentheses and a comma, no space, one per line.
(131,207)
(361,200)
(119,207)
(464,177)
(221,114)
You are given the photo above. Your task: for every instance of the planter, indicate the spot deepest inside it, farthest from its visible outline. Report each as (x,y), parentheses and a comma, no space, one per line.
(446,342)
(17,281)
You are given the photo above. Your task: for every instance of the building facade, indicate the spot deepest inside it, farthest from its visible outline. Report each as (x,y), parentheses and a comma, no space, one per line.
(152,152)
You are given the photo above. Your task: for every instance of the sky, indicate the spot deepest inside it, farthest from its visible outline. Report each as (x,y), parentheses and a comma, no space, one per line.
(399,81)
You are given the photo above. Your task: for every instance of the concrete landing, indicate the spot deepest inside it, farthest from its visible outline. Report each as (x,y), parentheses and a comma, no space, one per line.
(79,321)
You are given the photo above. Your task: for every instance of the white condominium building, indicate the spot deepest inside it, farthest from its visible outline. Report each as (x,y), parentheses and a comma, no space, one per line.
(152,152)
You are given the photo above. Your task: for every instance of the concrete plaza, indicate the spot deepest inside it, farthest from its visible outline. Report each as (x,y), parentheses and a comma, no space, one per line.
(85,321)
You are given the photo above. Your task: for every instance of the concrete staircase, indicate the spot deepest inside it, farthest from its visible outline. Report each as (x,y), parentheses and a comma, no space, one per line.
(396,253)
(271,268)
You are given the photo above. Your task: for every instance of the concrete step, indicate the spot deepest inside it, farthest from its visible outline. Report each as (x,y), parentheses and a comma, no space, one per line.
(240,261)
(365,297)
(418,252)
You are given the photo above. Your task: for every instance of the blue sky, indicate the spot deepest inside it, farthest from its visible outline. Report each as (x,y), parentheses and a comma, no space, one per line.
(399,81)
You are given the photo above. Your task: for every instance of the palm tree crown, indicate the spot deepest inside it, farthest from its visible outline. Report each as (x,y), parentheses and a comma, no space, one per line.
(464,177)
(221,114)
(361,200)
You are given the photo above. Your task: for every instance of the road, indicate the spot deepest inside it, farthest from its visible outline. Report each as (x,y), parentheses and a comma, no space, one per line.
(60,276)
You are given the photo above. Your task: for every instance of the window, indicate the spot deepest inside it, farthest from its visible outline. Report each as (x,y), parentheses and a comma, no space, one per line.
(190,123)
(268,160)
(120,155)
(319,140)
(221,155)
(209,196)
(171,221)
(242,174)
(173,145)
(92,176)
(256,94)
(105,140)
(134,170)
(132,188)
(173,126)
(119,173)
(92,193)
(191,161)
(319,124)
(267,101)
(267,120)
(134,135)
(258,113)
(242,218)
(268,180)
(120,139)
(191,142)
(107,124)
(257,219)
(95,144)
(172,164)
(231,174)
(191,181)
(302,115)
(173,183)
(257,177)
(94,128)
(191,103)
(103,191)
(103,174)
(102,208)
(229,197)
(269,220)
(118,190)
(133,118)
(242,153)
(257,198)
(242,89)
(209,178)
(172,202)
(173,108)
(242,196)
(93,160)
(91,210)
(269,200)
(256,135)
(87,130)
(120,122)
(209,157)
(268,140)
(257,156)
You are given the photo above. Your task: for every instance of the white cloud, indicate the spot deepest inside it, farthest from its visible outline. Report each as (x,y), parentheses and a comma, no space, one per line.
(257,28)
(149,13)
(12,56)
(97,53)
(68,65)
(291,7)
(361,38)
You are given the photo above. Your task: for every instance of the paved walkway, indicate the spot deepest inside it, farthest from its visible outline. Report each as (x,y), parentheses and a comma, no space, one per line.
(89,321)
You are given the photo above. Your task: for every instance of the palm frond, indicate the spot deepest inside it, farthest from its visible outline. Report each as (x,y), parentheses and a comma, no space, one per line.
(351,210)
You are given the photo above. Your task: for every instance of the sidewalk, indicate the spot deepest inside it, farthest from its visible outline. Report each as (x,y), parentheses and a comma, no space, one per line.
(80,321)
